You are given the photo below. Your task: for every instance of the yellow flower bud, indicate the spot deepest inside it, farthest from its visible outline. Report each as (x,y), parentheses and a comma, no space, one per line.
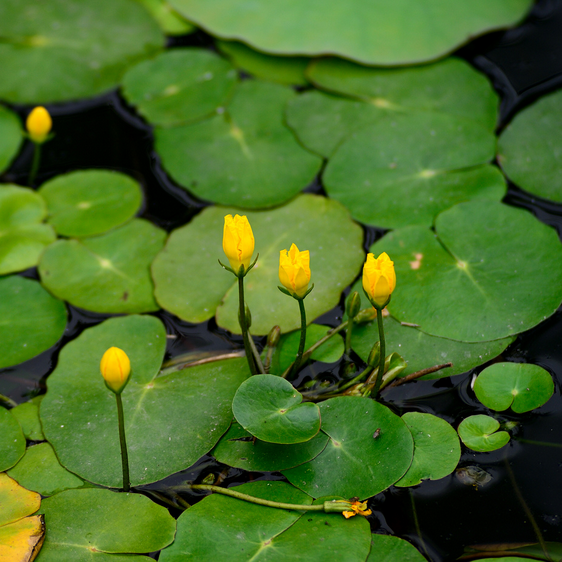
(115,368)
(294,270)
(238,241)
(39,124)
(379,279)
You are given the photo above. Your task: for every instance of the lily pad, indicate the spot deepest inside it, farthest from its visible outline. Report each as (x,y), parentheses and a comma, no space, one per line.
(521,386)
(285,70)
(377,32)
(219,526)
(170,420)
(71,49)
(421,350)
(227,158)
(239,449)
(16,501)
(107,273)
(170,21)
(23,235)
(12,440)
(179,86)
(81,522)
(39,470)
(530,148)
(10,137)
(271,409)
(480,433)
(355,462)
(489,271)
(27,415)
(437,450)
(315,223)
(24,305)
(90,202)
(387,548)
(406,169)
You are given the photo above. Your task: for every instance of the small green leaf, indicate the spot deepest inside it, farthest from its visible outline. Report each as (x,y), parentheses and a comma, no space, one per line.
(12,440)
(480,433)
(27,415)
(271,409)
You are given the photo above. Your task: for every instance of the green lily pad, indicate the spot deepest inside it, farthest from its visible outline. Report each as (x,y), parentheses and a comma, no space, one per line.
(288,347)
(10,137)
(81,522)
(480,433)
(107,273)
(386,548)
(179,86)
(239,449)
(39,470)
(90,202)
(285,70)
(219,526)
(27,415)
(69,49)
(377,33)
(354,462)
(226,159)
(315,223)
(170,420)
(489,271)
(24,305)
(12,440)
(421,350)
(437,450)
(16,501)
(271,409)
(530,148)
(170,21)
(406,169)
(521,386)
(23,236)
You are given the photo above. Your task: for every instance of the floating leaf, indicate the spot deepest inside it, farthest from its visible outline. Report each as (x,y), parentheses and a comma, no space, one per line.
(39,470)
(69,49)
(490,271)
(226,159)
(179,86)
(21,540)
(285,70)
(170,22)
(107,273)
(24,236)
(171,420)
(530,148)
(437,450)
(313,223)
(355,462)
(271,409)
(386,548)
(239,449)
(10,136)
(421,350)
(376,33)
(27,415)
(92,520)
(16,501)
(521,386)
(90,202)
(219,526)
(480,433)
(24,305)
(406,169)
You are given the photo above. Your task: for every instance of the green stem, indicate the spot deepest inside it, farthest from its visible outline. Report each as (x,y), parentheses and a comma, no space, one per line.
(417,523)
(35,164)
(380,374)
(243,326)
(357,379)
(256,356)
(8,401)
(543,443)
(328,506)
(348,336)
(123,441)
(300,352)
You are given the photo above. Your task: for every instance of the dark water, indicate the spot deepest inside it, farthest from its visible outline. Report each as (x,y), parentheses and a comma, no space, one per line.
(525,491)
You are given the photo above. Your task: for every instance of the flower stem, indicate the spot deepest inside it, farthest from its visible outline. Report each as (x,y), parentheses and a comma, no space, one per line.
(300,352)
(35,164)
(124,454)
(380,374)
(244,327)
(348,336)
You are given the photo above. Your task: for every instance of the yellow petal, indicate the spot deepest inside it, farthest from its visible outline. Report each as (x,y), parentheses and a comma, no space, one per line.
(115,368)
(38,124)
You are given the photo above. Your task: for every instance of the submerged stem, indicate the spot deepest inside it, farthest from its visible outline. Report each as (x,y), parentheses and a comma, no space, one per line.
(123,441)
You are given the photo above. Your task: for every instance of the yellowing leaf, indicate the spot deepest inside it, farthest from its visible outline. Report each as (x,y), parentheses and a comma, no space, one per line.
(22,540)
(15,501)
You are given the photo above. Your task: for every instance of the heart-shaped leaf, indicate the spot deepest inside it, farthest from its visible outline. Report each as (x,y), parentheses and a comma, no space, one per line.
(480,433)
